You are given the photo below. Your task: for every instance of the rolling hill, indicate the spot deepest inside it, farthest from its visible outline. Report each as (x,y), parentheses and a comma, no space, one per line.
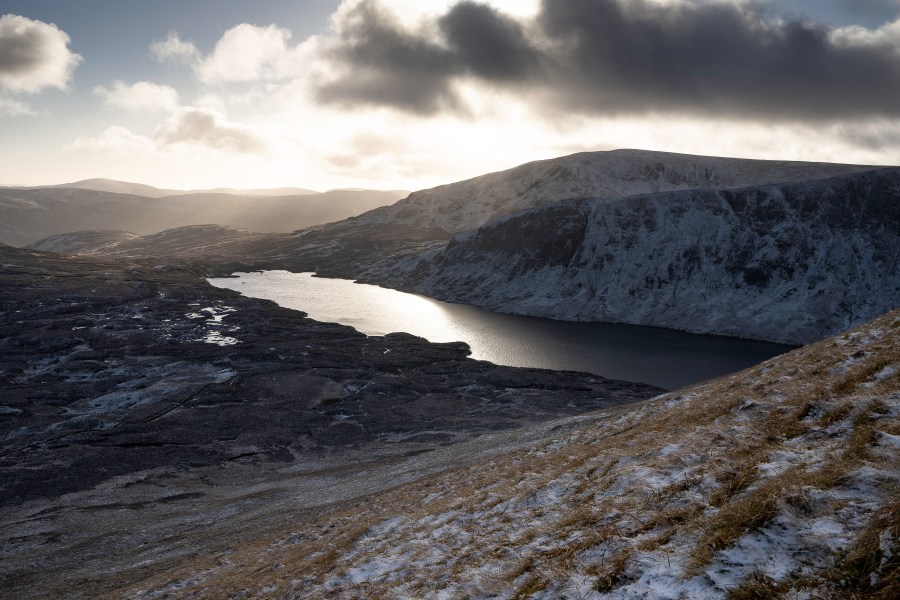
(28,215)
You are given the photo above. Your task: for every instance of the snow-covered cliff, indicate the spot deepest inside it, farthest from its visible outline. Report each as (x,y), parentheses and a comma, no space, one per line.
(788,262)
(465,205)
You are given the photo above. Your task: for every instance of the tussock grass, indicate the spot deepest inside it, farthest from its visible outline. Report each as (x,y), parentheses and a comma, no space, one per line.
(871,567)
(738,517)
(758,586)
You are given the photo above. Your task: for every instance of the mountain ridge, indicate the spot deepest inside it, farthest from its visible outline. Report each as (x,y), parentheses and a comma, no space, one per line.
(468,204)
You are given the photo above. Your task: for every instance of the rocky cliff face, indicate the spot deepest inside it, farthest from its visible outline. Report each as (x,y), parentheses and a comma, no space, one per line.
(466,205)
(788,263)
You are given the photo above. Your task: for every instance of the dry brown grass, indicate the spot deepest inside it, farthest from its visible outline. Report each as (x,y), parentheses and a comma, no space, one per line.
(753,511)
(534,584)
(863,374)
(758,586)
(611,573)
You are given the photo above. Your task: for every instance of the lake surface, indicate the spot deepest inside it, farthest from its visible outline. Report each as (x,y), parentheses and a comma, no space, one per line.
(663,357)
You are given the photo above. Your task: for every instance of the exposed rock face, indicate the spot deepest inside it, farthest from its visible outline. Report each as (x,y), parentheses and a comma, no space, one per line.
(466,205)
(788,263)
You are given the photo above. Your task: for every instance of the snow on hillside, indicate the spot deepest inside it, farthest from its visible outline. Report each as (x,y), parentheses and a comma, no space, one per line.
(778,481)
(787,263)
(469,204)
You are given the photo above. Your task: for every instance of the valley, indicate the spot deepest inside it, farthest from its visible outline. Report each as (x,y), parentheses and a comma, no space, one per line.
(795,252)
(165,437)
(458,300)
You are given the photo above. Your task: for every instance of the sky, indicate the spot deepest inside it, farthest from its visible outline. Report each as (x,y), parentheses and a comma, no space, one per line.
(408,94)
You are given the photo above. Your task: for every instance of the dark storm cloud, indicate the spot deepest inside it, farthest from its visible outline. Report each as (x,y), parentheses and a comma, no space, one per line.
(714,57)
(21,53)
(621,57)
(487,44)
(33,55)
(387,65)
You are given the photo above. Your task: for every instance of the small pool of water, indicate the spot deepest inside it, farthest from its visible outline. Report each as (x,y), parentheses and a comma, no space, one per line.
(663,357)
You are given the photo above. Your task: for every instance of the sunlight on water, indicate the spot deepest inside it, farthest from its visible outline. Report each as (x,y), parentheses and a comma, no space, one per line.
(662,357)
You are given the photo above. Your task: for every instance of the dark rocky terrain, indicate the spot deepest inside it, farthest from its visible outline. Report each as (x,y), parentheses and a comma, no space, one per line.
(128,389)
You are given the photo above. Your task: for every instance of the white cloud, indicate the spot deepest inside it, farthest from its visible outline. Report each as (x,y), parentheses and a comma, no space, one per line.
(244,53)
(34,55)
(142,96)
(854,35)
(114,140)
(415,13)
(189,131)
(14,108)
(211,101)
(251,53)
(209,128)
(174,49)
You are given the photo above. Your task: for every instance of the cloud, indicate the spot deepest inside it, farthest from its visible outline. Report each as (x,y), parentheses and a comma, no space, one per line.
(879,136)
(34,55)
(142,96)
(174,49)
(244,53)
(714,57)
(383,62)
(208,128)
(114,140)
(251,53)
(14,108)
(618,57)
(188,127)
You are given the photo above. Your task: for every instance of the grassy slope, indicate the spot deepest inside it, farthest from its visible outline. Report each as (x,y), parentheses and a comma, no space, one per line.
(779,481)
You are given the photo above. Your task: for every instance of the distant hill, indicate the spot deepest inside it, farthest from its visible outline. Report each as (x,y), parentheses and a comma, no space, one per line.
(139,189)
(287,191)
(31,214)
(113,186)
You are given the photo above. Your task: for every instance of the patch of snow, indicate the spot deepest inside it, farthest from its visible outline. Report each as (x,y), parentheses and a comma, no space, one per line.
(669,449)
(886,439)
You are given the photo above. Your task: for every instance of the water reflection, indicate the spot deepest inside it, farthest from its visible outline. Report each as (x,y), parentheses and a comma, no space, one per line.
(662,357)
